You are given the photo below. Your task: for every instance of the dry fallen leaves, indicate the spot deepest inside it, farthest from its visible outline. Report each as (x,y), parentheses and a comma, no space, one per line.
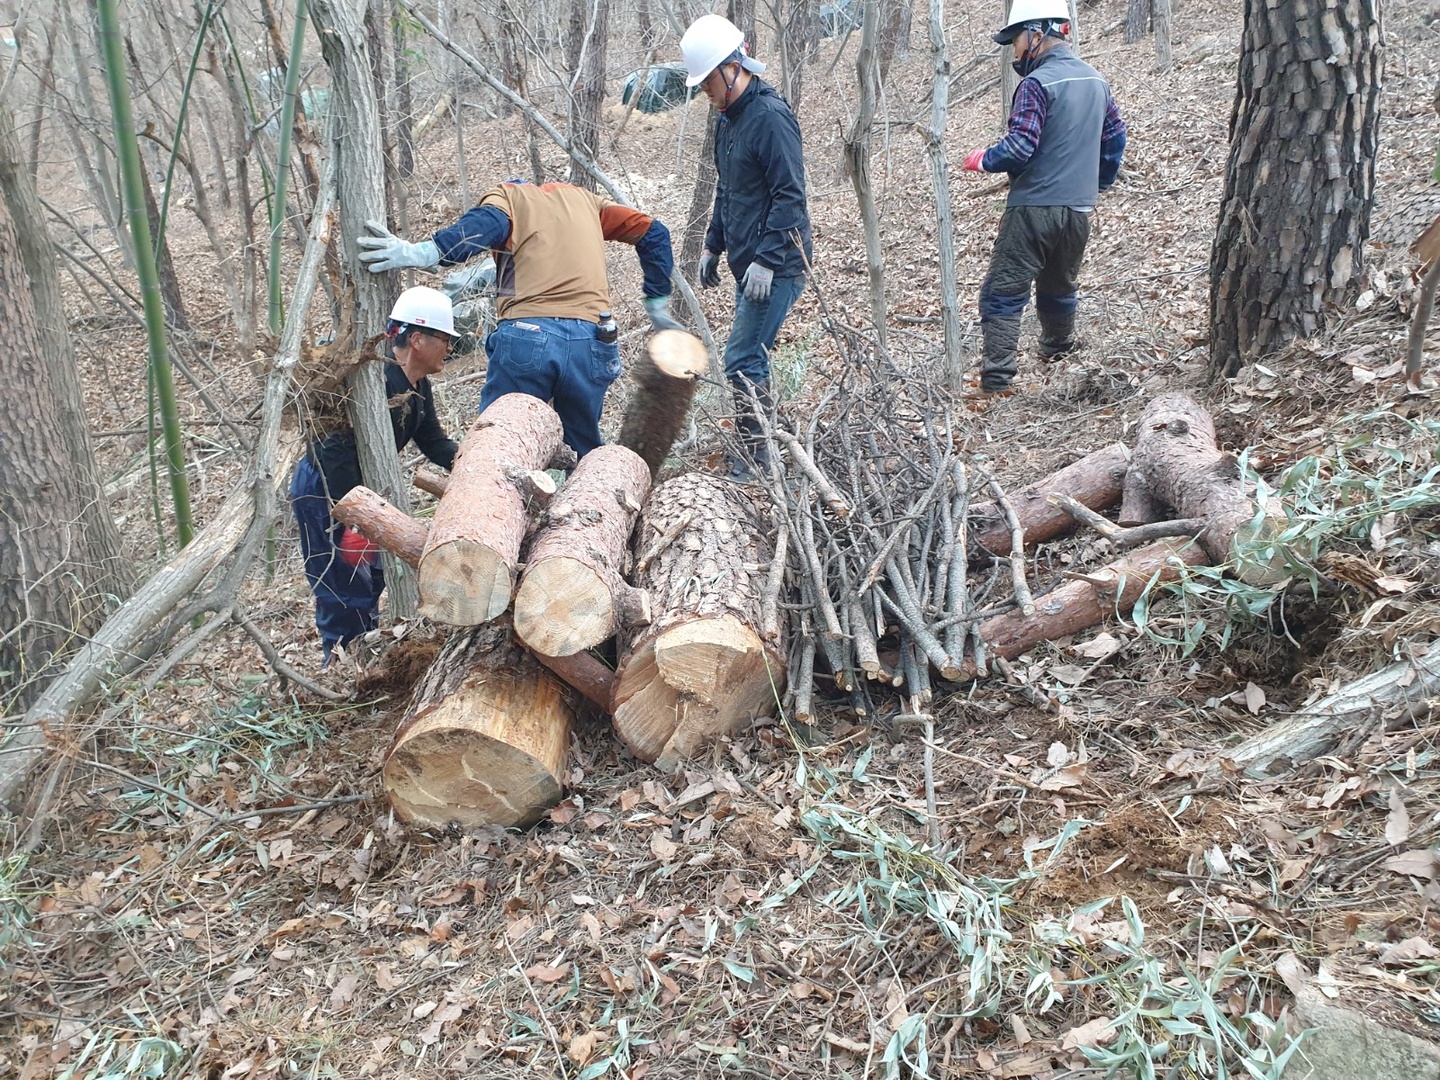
(1093,1034)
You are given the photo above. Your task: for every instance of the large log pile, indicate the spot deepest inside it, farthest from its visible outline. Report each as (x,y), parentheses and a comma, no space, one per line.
(884,561)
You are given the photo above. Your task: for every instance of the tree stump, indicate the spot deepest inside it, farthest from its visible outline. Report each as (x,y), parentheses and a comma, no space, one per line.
(467,572)
(700,670)
(573,595)
(484,739)
(383,524)
(1178,472)
(1095,481)
(664,377)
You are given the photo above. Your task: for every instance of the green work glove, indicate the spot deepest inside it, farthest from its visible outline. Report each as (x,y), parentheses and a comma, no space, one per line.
(386,251)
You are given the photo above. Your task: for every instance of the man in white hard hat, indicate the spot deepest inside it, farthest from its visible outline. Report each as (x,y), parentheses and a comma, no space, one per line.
(760,222)
(342,567)
(555,339)
(1063,147)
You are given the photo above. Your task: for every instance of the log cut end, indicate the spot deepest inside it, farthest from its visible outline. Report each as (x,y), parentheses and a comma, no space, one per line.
(463,583)
(451,777)
(563,606)
(678,354)
(691,684)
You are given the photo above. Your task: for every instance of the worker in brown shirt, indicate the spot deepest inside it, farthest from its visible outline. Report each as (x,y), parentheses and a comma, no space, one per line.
(548,242)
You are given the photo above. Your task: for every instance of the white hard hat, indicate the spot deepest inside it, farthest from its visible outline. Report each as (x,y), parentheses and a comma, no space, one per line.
(1031,11)
(427,307)
(708,42)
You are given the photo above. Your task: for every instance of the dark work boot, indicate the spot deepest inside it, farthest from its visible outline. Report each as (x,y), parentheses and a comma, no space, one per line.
(1057,335)
(1001,335)
(754,457)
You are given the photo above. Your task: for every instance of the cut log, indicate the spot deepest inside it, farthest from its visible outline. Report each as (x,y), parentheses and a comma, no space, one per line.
(1402,691)
(664,379)
(588,676)
(383,524)
(1096,481)
(1087,601)
(434,483)
(700,670)
(467,573)
(484,739)
(573,595)
(1177,467)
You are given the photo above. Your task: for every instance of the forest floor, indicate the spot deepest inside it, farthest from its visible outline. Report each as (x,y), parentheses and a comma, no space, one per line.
(223,891)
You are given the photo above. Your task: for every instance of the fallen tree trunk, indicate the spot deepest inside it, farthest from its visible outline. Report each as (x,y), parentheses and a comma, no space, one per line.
(573,595)
(384,525)
(1086,601)
(665,378)
(1177,467)
(1402,691)
(700,670)
(1096,481)
(467,572)
(484,739)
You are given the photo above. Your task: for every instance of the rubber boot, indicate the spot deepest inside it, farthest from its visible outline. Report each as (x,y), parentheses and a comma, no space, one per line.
(754,457)
(1001,334)
(1057,334)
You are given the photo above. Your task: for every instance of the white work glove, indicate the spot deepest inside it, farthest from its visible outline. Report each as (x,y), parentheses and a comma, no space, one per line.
(757,283)
(708,271)
(469,280)
(658,308)
(386,251)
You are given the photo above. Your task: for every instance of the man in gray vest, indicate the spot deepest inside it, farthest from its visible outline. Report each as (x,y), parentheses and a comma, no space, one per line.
(1063,148)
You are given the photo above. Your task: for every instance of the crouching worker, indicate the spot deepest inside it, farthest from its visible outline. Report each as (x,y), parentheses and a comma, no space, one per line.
(343,568)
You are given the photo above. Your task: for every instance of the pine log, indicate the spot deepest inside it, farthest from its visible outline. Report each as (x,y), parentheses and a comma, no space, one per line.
(383,524)
(467,573)
(588,676)
(1177,467)
(1402,691)
(484,739)
(1086,601)
(434,483)
(573,595)
(1095,481)
(665,378)
(700,670)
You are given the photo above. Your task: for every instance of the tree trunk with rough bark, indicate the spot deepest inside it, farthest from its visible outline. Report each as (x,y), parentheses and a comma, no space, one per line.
(665,377)
(467,573)
(588,40)
(59,552)
(484,739)
(857,162)
(1164,58)
(360,168)
(1137,19)
(573,594)
(934,139)
(700,669)
(1300,180)
(797,40)
(1096,481)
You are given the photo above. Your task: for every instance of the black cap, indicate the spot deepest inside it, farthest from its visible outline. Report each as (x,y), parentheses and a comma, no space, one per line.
(1009,34)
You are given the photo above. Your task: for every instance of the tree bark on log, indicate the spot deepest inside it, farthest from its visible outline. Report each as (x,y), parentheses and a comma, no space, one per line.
(467,572)
(1177,467)
(700,670)
(382,524)
(484,739)
(1086,601)
(1401,691)
(1096,481)
(665,379)
(573,594)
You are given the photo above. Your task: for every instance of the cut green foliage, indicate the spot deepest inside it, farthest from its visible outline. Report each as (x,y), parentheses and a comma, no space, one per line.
(1352,494)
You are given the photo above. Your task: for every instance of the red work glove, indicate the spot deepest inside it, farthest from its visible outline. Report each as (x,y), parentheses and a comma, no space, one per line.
(355,549)
(973,159)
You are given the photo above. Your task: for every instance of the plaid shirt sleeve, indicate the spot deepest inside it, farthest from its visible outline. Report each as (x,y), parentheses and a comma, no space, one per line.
(1112,144)
(1027,117)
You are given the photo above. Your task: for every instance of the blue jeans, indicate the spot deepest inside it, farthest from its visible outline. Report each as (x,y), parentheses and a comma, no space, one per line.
(559,361)
(347,598)
(752,335)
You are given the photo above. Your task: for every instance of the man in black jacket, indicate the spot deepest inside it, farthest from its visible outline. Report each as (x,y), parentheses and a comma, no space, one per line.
(344,569)
(760,222)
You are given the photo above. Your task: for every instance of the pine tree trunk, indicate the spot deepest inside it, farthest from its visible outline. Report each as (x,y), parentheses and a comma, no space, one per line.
(664,378)
(1300,181)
